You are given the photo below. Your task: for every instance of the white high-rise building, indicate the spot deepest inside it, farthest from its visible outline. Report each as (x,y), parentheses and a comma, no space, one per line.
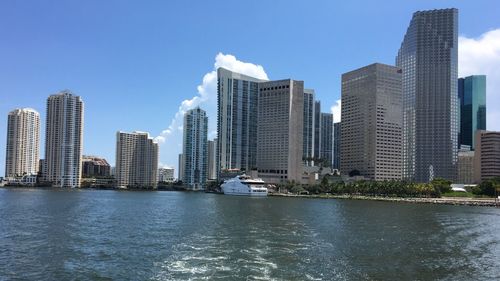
(195,149)
(166,175)
(136,160)
(212,159)
(63,141)
(23,143)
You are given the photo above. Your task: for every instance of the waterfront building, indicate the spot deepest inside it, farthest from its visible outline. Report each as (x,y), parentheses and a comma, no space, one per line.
(166,175)
(95,167)
(23,143)
(428,58)
(180,173)
(372,123)
(486,155)
(472,96)
(63,141)
(326,140)
(308,135)
(136,160)
(237,99)
(280,130)
(317,130)
(465,166)
(212,159)
(336,145)
(194,149)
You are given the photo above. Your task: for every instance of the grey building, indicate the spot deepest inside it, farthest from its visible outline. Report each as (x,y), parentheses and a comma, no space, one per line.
(212,159)
(371,122)
(180,173)
(326,140)
(63,140)
(280,130)
(465,166)
(486,155)
(237,99)
(136,160)
(336,145)
(317,129)
(308,136)
(194,149)
(428,58)
(472,96)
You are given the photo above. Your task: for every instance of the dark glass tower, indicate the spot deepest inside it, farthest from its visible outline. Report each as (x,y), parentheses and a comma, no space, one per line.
(472,95)
(336,145)
(428,58)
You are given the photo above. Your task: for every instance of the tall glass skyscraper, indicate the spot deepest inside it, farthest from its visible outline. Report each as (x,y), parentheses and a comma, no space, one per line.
(308,136)
(195,149)
(472,95)
(326,152)
(428,58)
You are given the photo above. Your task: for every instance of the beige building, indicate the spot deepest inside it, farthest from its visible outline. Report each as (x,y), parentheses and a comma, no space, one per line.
(63,141)
(486,155)
(371,132)
(23,143)
(465,167)
(280,130)
(136,160)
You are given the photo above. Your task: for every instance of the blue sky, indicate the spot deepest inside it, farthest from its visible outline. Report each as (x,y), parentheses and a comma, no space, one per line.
(134,62)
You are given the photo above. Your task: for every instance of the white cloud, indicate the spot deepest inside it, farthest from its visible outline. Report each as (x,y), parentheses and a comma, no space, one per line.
(482,56)
(336,109)
(170,139)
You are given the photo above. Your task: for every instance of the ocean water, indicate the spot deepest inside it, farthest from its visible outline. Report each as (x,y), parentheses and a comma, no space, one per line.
(122,235)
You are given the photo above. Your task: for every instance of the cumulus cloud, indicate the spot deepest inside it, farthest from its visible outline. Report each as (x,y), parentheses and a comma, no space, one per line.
(481,55)
(336,110)
(170,139)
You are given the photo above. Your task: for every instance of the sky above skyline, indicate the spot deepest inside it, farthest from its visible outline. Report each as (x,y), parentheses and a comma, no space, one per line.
(139,65)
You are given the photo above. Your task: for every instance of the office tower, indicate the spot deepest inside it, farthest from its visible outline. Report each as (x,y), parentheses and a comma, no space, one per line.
(308,136)
(237,99)
(428,59)
(486,155)
(317,130)
(336,145)
(136,160)
(279,132)
(195,149)
(371,122)
(63,141)
(166,175)
(23,143)
(180,174)
(465,166)
(472,96)
(212,159)
(95,167)
(326,141)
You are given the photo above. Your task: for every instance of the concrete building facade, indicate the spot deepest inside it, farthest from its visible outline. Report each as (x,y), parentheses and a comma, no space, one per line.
(428,58)
(212,159)
(63,141)
(486,155)
(23,143)
(336,145)
(372,122)
(166,175)
(308,127)
(95,167)
(136,160)
(280,130)
(326,140)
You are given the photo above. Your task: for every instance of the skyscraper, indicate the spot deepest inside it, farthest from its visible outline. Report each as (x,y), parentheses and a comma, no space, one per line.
(237,99)
(472,95)
(136,160)
(280,130)
(212,159)
(194,149)
(336,145)
(180,173)
(428,58)
(326,142)
(308,136)
(371,122)
(23,143)
(63,141)
(486,155)
(317,130)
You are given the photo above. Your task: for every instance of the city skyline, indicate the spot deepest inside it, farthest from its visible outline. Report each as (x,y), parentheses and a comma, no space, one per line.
(38,82)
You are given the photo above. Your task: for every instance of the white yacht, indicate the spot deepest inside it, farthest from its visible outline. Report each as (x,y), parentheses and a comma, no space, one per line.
(244,185)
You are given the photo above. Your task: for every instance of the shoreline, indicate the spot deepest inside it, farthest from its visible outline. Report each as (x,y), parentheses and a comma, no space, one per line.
(457,201)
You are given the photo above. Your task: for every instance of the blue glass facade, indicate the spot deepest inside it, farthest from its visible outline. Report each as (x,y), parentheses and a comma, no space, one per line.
(472,95)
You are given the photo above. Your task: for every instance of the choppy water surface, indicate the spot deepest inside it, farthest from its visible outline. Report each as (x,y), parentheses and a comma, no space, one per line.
(110,235)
